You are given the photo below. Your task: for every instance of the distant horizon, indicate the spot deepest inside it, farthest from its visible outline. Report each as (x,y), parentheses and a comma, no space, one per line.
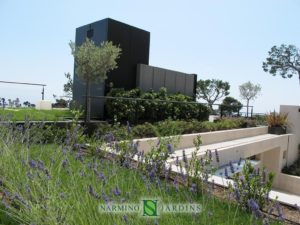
(225,40)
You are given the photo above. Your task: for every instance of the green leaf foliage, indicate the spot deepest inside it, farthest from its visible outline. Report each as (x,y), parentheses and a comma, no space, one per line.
(229,106)
(284,61)
(144,108)
(212,90)
(94,62)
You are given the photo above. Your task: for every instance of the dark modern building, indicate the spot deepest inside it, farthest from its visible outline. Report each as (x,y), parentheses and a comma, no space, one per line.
(133,65)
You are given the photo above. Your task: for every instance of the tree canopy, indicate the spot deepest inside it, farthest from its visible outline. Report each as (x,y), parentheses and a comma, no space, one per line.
(283,60)
(93,63)
(249,91)
(230,105)
(212,90)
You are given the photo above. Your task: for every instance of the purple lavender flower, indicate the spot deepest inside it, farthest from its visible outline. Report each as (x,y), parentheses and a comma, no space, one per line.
(217,156)
(177,161)
(240,161)
(105,197)
(79,156)
(134,147)
(209,154)
(279,211)
(97,150)
(32,164)
(254,207)
(231,167)
(29,175)
(92,192)
(116,191)
(242,180)
(170,148)
(65,163)
(158,142)
(100,176)
(168,172)
(41,165)
(152,172)
(125,218)
(27,189)
(226,173)
(184,158)
(201,162)
(175,183)
(109,137)
(236,192)
(193,188)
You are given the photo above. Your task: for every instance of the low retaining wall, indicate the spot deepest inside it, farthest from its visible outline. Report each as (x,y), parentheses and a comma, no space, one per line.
(186,140)
(288,183)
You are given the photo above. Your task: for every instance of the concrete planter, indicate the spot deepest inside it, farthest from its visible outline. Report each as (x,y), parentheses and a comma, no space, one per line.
(277,130)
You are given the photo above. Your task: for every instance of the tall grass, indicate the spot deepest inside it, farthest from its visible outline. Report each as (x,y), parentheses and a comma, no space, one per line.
(20,114)
(52,184)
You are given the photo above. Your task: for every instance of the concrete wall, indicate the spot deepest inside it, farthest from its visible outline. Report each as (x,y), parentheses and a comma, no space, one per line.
(294,128)
(186,140)
(153,78)
(288,183)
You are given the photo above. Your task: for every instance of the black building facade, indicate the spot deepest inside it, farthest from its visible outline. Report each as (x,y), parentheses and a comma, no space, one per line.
(135,45)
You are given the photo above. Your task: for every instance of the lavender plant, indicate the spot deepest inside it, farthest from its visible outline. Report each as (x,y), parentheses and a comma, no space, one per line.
(251,187)
(64,184)
(198,169)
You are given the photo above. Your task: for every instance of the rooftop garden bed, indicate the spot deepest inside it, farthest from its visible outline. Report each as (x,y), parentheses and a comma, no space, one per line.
(64,183)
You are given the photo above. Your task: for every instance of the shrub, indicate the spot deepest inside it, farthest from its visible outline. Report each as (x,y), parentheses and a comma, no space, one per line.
(167,106)
(144,130)
(276,119)
(229,106)
(170,127)
(252,185)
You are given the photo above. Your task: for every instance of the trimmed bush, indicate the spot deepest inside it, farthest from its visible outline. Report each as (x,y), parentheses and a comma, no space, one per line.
(145,109)
(144,130)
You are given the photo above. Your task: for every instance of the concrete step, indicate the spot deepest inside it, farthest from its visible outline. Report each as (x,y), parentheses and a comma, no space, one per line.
(222,146)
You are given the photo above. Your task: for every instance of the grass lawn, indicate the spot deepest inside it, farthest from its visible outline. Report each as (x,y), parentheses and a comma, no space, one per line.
(47,184)
(19,114)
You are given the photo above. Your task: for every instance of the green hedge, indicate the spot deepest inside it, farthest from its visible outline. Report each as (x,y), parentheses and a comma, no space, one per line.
(173,127)
(136,110)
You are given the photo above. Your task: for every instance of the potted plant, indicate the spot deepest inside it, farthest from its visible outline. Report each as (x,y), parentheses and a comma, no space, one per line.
(277,122)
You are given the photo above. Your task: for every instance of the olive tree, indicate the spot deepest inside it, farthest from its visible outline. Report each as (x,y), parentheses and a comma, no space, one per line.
(93,63)
(212,90)
(249,91)
(283,60)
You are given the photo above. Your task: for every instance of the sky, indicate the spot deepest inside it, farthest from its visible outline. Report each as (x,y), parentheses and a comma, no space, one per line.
(216,39)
